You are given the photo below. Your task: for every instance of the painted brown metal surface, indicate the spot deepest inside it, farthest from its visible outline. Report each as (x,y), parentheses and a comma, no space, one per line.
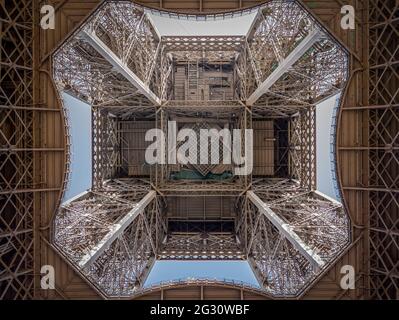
(366,147)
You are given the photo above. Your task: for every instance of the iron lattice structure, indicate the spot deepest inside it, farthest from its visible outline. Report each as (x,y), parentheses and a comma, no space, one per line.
(127,222)
(285,81)
(119,97)
(18,147)
(382,149)
(290,233)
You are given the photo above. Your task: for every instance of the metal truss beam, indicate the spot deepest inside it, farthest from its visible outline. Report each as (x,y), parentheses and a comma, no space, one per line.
(287,230)
(271,219)
(120,67)
(115,231)
(112,234)
(202,43)
(105,156)
(302,147)
(285,65)
(198,246)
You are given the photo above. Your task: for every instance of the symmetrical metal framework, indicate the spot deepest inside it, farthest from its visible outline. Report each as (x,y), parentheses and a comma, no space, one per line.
(278,72)
(124,88)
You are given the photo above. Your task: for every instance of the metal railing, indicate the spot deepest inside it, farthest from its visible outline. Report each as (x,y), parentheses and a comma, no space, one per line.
(200,281)
(68,150)
(202,17)
(333,151)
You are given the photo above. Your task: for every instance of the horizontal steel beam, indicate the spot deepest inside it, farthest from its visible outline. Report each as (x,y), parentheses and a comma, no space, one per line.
(11,149)
(371,189)
(116,230)
(286,230)
(120,66)
(29,108)
(15,233)
(285,65)
(20,191)
(373,107)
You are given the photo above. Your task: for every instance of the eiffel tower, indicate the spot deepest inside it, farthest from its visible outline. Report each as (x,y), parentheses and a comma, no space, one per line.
(267,79)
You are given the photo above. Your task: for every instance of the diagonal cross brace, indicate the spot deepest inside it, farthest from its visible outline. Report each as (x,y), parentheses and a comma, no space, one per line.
(120,66)
(287,231)
(285,65)
(116,230)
